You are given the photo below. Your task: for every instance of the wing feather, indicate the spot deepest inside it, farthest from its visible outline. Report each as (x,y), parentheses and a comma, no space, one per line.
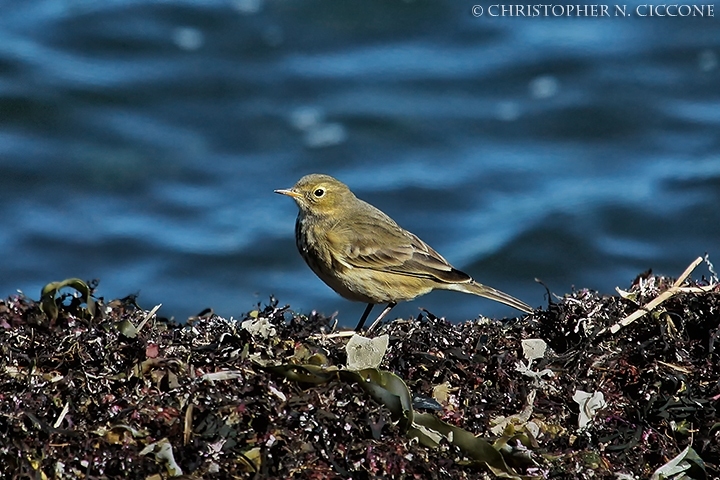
(384,246)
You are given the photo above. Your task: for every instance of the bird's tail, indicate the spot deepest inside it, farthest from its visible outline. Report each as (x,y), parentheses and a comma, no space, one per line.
(488,292)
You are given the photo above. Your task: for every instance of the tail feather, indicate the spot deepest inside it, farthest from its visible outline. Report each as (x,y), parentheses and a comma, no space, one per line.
(488,292)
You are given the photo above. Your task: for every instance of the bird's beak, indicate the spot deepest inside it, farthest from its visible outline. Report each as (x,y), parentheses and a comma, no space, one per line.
(289,193)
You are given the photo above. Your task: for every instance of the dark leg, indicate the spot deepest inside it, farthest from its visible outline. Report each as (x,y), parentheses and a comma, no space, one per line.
(364,316)
(389,307)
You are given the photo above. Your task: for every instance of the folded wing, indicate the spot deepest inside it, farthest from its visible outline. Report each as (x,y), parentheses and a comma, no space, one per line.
(386,247)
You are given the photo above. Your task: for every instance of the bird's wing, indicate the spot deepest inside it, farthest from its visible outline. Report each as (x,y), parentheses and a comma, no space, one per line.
(386,247)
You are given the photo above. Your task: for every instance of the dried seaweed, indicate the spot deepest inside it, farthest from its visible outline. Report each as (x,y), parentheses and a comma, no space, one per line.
(121,393)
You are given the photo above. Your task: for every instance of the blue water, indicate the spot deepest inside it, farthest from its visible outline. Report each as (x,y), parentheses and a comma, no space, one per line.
(140,142)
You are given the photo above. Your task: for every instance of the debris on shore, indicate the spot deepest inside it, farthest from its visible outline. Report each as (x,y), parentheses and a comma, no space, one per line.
(593,386)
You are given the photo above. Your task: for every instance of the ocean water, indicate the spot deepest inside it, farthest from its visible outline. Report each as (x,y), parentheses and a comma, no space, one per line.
(140,143)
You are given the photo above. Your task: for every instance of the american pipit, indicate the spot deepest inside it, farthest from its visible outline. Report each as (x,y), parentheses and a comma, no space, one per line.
(365,256)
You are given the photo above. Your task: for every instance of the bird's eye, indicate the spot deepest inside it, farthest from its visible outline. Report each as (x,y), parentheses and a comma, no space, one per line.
(319,192)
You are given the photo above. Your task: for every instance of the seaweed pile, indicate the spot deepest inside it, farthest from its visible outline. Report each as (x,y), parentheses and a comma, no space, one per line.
(92,390)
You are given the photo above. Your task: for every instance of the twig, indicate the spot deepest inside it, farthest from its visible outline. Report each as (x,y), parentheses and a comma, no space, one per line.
(341,334)
(61,417)
(674,290)
(149,316)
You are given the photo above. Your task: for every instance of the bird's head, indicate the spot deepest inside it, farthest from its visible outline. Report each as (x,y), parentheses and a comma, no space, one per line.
(319,194)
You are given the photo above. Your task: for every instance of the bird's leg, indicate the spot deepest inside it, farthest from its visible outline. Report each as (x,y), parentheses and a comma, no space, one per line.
(389,307)
(364,316)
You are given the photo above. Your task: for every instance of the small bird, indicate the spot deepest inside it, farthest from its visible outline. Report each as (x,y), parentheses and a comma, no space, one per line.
(362,254)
